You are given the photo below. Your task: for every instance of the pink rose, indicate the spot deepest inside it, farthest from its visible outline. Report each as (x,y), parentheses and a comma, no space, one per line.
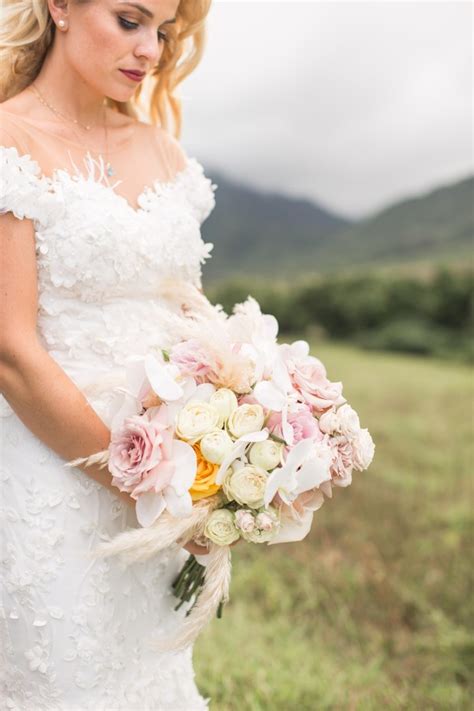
(191,359)
(363,449)
(134,450)
(301,420)
(264,521)
(342,463)
(244,520)
(308,377)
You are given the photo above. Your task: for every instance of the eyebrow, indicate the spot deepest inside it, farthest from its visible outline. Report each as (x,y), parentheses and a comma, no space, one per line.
(147,12)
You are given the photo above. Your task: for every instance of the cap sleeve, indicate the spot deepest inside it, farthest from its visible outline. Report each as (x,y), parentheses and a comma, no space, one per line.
(199,189)
(23,191)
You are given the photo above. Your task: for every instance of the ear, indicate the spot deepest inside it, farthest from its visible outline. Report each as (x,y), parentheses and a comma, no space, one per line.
(59,11)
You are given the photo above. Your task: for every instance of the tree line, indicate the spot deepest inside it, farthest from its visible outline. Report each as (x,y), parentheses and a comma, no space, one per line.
(416,314)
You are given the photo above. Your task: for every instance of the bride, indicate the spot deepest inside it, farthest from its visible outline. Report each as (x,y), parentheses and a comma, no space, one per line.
(99,210)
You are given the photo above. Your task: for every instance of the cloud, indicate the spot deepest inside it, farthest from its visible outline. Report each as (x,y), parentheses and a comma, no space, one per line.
(352,104)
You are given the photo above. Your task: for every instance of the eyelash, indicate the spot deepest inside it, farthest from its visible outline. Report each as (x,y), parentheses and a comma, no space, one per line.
(127,25)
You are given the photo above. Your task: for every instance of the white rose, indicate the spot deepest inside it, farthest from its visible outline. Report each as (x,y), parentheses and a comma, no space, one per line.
(195,420)
(215,446)
(363,449)
(246,418)
(225,401)
(245,520)
(246,485)
(220,527)
(267,454)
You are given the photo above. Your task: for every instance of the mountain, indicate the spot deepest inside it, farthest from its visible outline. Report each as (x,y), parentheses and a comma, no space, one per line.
(273,235)
(256,232)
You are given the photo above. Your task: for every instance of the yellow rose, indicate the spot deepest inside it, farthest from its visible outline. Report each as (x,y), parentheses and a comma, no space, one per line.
(204,484)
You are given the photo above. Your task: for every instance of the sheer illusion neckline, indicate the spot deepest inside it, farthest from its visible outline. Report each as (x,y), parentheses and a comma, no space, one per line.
(93,164)
(114,150)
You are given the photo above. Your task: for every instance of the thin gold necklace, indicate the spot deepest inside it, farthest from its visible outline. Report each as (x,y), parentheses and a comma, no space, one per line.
(108,167)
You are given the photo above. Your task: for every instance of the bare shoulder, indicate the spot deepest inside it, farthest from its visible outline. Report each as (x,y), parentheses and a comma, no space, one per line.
(166,142)
(11,133)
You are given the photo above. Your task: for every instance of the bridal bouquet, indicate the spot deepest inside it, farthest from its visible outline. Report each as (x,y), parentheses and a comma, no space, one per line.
(227,435)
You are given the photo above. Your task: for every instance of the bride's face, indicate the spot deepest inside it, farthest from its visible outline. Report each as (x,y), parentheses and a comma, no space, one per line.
(104,38)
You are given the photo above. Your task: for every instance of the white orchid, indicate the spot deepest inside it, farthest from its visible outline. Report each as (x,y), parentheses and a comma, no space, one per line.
(305,469)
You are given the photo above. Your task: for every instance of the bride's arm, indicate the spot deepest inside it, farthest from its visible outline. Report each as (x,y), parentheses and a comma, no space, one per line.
(43,396)
(45,399)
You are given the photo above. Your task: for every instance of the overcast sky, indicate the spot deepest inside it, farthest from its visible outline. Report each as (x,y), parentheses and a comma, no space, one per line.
(352,104)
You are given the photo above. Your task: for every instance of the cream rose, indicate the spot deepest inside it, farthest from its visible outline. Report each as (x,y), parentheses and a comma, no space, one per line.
(220,528)
(363,449)
(225,401)
(245,419)
(267,454)
(246,485)
(196,419)
(215,446)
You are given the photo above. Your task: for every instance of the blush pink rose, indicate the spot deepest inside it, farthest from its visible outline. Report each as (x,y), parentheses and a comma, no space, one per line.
(135,449)
(342,462)
(191,359)
(301,420)
(308,377)
(245,520)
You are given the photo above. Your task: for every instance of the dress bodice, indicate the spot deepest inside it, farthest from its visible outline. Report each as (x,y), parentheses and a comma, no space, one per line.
(78,633)
(101,263)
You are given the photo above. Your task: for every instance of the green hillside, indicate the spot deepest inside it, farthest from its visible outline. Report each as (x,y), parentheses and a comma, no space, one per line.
(277,236)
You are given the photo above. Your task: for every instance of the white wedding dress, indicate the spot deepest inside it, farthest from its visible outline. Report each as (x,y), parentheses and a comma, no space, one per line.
(77,633)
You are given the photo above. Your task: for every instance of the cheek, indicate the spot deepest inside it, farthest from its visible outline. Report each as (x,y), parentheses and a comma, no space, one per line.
(100,47)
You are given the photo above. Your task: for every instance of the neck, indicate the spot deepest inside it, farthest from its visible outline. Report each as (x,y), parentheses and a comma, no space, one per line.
(65,89)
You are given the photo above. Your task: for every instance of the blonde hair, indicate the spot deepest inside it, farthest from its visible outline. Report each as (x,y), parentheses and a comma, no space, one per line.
(27,32)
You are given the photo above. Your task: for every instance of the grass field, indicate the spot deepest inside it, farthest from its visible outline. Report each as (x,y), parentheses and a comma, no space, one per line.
(374,609)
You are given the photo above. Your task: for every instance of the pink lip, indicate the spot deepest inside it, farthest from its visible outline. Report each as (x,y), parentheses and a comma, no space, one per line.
(136,76)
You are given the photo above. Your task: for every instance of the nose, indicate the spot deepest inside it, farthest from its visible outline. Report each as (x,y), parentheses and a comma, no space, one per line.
(149,48)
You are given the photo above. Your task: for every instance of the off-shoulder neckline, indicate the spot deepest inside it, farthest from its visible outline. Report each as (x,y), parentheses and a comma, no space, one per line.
(191,163)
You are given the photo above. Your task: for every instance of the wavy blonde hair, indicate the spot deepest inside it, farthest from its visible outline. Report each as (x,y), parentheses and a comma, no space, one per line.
(27,32)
